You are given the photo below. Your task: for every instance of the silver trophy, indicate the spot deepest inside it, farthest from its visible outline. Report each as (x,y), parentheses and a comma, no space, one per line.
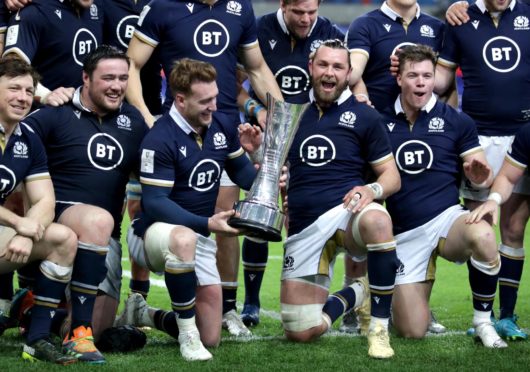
(259,215)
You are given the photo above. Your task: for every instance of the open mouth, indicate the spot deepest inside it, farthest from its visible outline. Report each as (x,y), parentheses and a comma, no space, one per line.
(328,85)
(420,94)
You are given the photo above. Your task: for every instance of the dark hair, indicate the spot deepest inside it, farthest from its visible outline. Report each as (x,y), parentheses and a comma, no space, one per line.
(187,71)
(333,44)
(416,53)
(14,67)
(288,2)
(102,52)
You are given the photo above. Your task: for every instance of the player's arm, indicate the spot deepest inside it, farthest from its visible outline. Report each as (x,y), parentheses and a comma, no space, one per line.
(139,53)
(444,78)
(259,74)
(387,183)
(241,171)
(358,60)
(501,190)
(456,14)
(41,200)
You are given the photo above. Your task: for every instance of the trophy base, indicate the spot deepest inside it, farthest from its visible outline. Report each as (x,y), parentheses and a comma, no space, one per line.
(258,221)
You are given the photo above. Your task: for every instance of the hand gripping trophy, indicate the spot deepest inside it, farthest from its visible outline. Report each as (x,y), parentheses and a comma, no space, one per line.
(259,215)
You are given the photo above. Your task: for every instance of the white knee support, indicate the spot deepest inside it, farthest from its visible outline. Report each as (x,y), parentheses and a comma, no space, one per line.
(488,268)
(298,318)
(175,264)
(55,272)
(381,246)
(93,247)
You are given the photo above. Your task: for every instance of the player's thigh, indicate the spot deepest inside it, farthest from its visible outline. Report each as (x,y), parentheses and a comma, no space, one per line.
(410,309)
(91,224)
(513,218)
(208,307)
(226,198)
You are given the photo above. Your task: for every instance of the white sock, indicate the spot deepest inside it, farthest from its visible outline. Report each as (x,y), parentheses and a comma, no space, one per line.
(480,317)
(186,325)
(375,320)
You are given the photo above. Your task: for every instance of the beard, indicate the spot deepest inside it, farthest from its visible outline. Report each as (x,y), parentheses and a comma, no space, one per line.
(325,98)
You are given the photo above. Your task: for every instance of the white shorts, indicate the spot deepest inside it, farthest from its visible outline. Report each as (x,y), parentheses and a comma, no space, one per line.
(205,261)
(495,149)
(111,285)
(417,249)
(313,250)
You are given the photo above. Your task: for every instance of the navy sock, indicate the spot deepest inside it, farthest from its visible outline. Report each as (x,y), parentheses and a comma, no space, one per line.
(483,287)
(140,286)
(509,279)
(89,272)
(27,274)
(382,266)
(229,296)
(339,302)
(181,283)
(166,321)
(254,262)
(47,294)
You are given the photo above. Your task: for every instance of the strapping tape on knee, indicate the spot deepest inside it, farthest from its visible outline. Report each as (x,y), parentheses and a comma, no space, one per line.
(488,268)
(93,247)
(55,272)
(381,246)
(298,318)
(173,263)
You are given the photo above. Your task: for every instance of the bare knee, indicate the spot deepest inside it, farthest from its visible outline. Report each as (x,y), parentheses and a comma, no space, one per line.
(182,242)
(303,336)
(64,242)
(96,227)
(483,242)
(375,226)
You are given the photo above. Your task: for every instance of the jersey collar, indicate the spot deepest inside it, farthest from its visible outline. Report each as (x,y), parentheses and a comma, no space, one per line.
(76,100)
(180,121)
(343,97)
(283,25)
(482,7)
(17,131)
(427,108)
(390,13)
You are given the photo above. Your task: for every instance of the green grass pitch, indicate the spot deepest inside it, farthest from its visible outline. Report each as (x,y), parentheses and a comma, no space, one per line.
(269,351)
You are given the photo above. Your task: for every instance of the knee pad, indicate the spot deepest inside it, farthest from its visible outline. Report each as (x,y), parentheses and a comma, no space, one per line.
(488,268)
(298,318)
(55,272)
(381,246)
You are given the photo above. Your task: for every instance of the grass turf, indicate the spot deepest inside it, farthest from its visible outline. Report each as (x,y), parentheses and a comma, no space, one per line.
(268,350)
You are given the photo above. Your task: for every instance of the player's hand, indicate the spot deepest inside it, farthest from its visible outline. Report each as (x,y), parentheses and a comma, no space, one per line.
(477,172)
(148,118)
(358,198)
(218,224)
(488,209)
(14,5)
(250,137)
(18,249)
(262,119)
(394,63)
(456,14)
(284,178)
(29,228)
(363,98)
(58,97)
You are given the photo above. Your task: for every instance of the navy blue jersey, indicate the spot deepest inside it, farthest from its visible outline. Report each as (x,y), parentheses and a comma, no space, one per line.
(519,153)
(211,34)
(429,158)
(4,18)
(22,159)
(121,17)
(378,34)
(186,165)
(495,62)
(288,57)
(51,36)
(330,154)
(90,158)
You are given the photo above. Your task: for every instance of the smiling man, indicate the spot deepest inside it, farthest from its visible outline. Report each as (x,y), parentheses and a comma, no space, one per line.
(432,142)
(92,146)
(332,207)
